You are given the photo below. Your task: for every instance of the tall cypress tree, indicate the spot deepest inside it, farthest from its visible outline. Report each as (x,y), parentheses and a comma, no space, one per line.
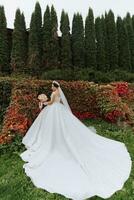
(34,61)
(19,52)
(4,54)
(133,21)
(35,42)
(130,34)
(65,55)
(78,41)
(38,24)
(54,39)
(47,37)
(106,41)
(100,44)
(112,40)
(123,46)
(25,40)
(90,44)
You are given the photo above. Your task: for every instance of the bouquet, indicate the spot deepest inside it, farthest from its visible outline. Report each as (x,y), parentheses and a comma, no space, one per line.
(43,98)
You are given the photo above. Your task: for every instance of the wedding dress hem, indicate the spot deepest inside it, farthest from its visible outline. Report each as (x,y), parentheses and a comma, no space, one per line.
(49,189)
(68,158)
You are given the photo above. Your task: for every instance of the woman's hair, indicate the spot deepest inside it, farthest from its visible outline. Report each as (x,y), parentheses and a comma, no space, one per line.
(55,85)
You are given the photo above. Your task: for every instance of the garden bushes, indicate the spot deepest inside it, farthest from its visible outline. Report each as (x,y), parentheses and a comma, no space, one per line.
(87,74)
(5,94)
(86,99)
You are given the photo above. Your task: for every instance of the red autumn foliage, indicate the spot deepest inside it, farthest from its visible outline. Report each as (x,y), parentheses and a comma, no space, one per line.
(85,115)
(122,88)
(113,116)
(5,138)
(87,100)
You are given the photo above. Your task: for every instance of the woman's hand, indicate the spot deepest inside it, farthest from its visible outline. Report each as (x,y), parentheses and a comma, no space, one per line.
(40,105)
(49,102)
(45,103)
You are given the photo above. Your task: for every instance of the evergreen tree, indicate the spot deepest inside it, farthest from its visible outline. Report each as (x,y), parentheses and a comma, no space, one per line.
(78,41)
(54,39)
(38,24)
(35,42)
(65,55)
(100,44)
(4,53)
(123,46)
(19,49)
(90,44)
(130,34)
(34,61)
(47,37)
(133,21)
(25,40)
(106,42)
(111,32)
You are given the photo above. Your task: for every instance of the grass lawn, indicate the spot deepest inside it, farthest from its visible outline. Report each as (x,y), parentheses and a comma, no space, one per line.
(15,185)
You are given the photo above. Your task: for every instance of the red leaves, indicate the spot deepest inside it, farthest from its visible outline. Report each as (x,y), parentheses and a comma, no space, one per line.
(84,115)
(87,100)
(110,101)
(4,138)
(114,115)
(122,88)
(21,112)
(15,121)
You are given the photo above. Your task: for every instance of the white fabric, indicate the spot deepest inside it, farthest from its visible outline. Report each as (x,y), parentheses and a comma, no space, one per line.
(65,156)
(64,99)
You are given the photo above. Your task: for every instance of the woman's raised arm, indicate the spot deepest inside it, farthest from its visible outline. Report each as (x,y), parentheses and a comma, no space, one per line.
(52,99)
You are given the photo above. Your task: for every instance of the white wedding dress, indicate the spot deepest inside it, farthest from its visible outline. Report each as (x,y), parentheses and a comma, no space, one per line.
(65,156)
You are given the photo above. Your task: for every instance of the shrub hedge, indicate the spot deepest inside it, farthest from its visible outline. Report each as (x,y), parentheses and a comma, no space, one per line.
(87,100)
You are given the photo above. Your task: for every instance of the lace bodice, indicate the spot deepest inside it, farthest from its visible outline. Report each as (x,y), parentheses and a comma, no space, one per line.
(57,98)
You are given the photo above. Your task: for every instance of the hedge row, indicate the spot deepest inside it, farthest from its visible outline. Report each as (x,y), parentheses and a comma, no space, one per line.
(87,100)
(5,94)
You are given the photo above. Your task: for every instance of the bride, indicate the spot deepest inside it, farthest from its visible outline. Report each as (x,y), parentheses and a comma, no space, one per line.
(65,156)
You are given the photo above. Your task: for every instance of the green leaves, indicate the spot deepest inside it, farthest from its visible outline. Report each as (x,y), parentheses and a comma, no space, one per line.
(34,62)
(19,43)
(77,41)
(90,43)
(65,50)
(4,49)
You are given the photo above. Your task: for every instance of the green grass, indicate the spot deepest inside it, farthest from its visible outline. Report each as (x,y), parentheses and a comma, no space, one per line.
(15,185)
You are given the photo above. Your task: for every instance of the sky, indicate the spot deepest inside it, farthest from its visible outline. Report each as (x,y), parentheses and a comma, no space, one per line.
(119,7)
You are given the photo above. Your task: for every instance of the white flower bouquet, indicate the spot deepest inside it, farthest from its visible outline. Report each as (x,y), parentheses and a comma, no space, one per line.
(42,98)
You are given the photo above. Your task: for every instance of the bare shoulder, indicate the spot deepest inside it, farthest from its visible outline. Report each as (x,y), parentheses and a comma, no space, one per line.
(57,93)
(53,94)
